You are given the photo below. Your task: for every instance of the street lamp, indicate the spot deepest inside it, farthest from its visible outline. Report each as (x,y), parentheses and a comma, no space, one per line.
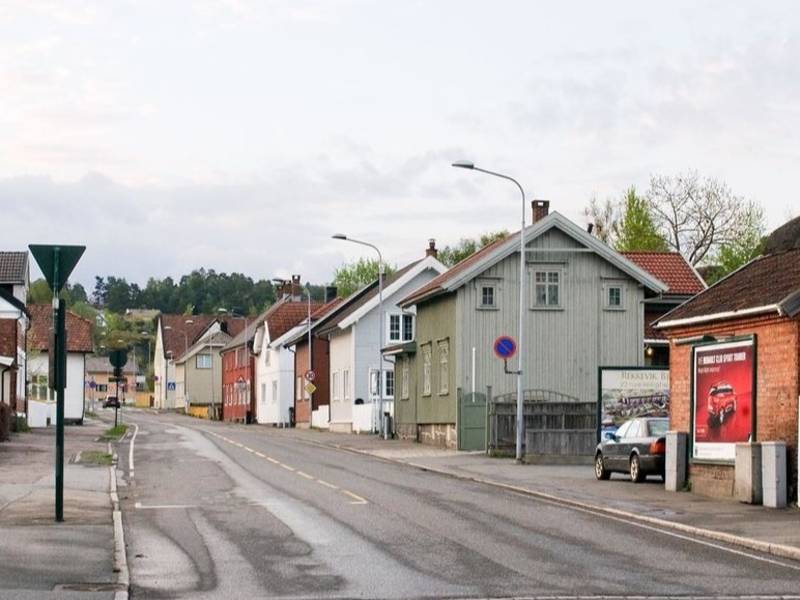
(463,164)
(342,237)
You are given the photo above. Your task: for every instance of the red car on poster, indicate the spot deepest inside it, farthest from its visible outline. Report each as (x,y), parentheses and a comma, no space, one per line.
(721,403)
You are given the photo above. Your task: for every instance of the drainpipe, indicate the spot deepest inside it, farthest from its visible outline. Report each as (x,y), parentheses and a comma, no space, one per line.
(3,400)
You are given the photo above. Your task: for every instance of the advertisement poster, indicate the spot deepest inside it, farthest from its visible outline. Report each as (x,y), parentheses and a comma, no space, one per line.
(629,393)
(723,398)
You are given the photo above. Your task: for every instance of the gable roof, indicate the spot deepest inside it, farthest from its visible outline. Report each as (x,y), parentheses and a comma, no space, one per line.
(391,286)
(13,300)
(767,284)
(13,267)
(477,263)
(671,268)
(360,298)
(239,339)
(174,339)
(79,330)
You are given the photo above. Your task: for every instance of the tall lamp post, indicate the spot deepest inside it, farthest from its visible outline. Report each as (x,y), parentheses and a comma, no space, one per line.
(341,236)
(462,164)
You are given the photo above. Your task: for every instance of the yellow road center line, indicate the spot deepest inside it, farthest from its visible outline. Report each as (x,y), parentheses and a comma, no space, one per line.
(306,475)
(326,484)
(287,467)
(358,499)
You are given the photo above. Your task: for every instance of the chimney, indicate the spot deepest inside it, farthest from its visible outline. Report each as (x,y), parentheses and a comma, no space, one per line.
(431,249)
(330,293)
(540,209)
(589,228)
(296,288)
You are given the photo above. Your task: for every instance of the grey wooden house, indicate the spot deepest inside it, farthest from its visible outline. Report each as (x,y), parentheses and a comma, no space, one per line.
(585,309)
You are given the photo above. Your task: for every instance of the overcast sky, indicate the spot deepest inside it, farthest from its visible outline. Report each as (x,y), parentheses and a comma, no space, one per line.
(240,135)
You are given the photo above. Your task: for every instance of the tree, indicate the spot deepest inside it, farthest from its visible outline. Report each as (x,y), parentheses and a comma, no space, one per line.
(739,252)
(636,230)
(39,292)
(699,216)
(605,217)
(351,276)
(451,255)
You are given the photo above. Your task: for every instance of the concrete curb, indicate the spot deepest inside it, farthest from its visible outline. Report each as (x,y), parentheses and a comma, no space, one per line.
(780,550)
(120,554)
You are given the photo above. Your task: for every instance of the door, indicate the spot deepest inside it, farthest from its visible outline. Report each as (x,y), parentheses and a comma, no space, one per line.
(472,422)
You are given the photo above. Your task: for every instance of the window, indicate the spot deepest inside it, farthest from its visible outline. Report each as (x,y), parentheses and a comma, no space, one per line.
(404,380)
(614,296)
(394,328)
(401,328)
(203,361)
(444,367)
(408,328)
(274,392)
(487,297)
(263,392)
(298,389)
(266,356)
(38,387)
(346,384)
(101,387)
(547,292)
(388,384)
(335,385)
(426,370)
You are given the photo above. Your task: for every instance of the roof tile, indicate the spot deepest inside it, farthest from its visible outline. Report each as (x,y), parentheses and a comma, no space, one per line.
(79,330)
(670,268)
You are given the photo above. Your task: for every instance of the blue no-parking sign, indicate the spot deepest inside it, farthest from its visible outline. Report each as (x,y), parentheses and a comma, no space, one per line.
(505,347)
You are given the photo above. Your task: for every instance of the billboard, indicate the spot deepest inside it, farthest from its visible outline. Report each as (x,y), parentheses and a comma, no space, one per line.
(723,398)
(629,392)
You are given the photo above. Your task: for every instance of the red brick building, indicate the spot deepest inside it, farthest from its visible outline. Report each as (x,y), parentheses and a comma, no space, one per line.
(759,302)
(320,364)
(238,368)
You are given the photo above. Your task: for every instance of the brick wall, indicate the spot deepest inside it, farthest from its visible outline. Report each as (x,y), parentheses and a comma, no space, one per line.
(777,391)
(8,337)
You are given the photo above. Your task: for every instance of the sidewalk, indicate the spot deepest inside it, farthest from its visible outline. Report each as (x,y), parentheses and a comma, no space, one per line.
(40,558)
(577,485)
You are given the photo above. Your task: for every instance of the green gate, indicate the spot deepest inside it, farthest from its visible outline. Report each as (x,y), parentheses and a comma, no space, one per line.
(472,421)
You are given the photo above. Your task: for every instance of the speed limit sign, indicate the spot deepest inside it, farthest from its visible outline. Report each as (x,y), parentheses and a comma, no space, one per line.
(309,375)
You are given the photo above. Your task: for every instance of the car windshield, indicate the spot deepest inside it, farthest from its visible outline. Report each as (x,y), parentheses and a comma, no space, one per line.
(658,427)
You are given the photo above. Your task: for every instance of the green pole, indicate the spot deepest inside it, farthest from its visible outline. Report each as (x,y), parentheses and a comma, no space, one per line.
(59,323)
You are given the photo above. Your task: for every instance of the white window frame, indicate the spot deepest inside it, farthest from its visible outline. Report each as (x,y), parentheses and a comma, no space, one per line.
(388,374)
(443,347)
(401,320)
(346,384)
(298,392)
(274,391)
(335,385)
(607,287)
(494,286)
(427,358)
(203,355)
(547,283)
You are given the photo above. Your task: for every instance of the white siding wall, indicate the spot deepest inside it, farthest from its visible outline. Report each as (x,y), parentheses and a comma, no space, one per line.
(341,359)
(74,392)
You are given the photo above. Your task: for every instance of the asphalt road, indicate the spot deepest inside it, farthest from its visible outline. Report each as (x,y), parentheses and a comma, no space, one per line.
(227,511)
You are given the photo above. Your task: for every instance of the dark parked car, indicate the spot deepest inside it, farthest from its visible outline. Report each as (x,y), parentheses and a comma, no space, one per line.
(721,403)
(111,402)
(637,448)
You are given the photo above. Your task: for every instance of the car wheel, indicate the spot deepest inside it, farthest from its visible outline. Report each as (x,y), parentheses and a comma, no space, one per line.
(600,470)
(636,470)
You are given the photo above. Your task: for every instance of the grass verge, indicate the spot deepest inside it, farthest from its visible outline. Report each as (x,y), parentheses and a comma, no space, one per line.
(96,457)
(114,433)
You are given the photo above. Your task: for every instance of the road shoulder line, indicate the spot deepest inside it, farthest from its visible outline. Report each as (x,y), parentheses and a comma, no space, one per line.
(120,559)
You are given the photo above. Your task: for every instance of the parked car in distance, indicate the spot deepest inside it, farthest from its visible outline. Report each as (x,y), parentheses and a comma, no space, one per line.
(111,402)
(721,403)
(636,448)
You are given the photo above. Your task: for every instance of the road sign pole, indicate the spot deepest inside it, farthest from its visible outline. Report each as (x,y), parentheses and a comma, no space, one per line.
(56,263)
(60,362)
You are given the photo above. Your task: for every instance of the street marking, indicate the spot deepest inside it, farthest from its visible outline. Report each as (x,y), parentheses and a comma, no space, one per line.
(357,499)
(141,506)
(130,451)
